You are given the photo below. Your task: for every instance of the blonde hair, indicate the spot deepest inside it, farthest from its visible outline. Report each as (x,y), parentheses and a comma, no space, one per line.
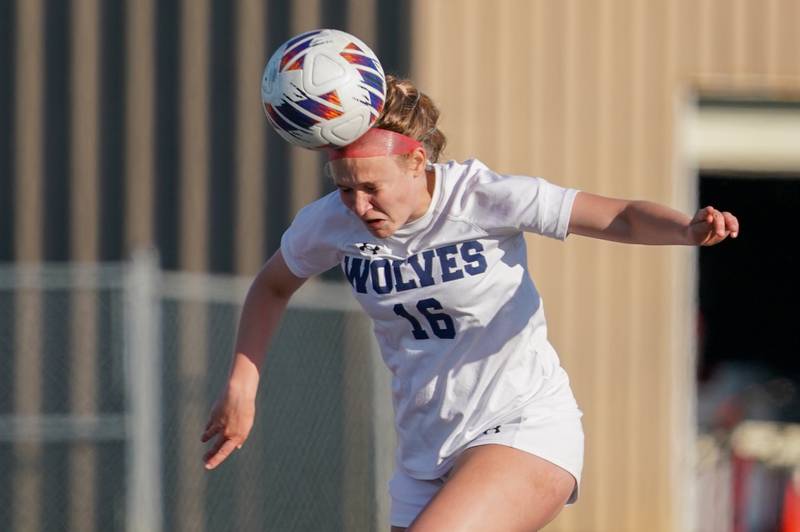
(411,112)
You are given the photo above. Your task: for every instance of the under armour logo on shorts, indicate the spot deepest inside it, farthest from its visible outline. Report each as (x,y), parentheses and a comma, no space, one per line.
(493,430)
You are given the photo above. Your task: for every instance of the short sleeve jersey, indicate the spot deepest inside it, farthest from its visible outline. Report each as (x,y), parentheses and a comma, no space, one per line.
(458,319)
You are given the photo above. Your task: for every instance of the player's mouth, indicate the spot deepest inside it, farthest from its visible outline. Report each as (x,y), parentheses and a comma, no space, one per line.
(373,224)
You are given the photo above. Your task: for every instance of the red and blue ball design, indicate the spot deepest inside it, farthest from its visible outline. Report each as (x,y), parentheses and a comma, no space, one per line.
(323,88)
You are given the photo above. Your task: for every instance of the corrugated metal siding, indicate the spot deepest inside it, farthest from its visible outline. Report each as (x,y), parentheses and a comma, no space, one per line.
(187,165)
(202,176)
(584,94)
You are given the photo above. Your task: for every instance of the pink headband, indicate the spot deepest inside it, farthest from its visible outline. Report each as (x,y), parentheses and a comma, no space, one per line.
(374,143)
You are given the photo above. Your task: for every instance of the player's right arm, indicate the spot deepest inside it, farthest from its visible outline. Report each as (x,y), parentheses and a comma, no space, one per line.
(234,411)
(646,222)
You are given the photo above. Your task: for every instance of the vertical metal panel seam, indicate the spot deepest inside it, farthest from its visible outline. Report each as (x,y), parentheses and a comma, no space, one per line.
(796,45)
(84,130)
(251,124)
(362,20)
(640,48)
(573,122)
(305,164)
(470,47)
(705,36)
(585,317)
(29,129)
(453,112)
(250,163)
(552,273)
(772,32)
(597,456)
(194,133)
(84,204)
(568,162)
(504,54)
(194,190)
(740,42)
(680,365)
(140,125)
(29,123)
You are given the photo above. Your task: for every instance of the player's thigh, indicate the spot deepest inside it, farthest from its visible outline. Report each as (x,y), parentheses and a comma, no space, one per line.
(497,488)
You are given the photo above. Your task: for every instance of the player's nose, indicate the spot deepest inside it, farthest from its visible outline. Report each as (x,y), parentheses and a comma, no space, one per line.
(361,203)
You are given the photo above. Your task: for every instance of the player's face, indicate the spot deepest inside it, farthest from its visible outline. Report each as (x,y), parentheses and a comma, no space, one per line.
(385,192)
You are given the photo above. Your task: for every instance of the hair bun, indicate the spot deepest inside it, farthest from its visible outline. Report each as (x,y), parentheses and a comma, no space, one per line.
(411,112)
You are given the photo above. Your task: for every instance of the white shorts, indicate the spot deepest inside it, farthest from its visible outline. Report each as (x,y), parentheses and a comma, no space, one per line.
(556,438)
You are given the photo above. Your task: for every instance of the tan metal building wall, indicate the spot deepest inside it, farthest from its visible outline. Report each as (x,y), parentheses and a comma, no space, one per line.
(588,94)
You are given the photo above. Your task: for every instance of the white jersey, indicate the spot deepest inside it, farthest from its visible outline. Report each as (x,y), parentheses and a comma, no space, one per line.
(459,322)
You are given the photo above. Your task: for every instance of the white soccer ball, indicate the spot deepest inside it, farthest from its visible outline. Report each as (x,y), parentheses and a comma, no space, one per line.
(323,88)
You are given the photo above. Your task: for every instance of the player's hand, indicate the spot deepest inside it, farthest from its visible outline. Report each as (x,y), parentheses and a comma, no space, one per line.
(230,421)
(710,226)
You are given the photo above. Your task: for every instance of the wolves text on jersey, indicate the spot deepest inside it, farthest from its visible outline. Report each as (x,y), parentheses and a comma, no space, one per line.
(417,271)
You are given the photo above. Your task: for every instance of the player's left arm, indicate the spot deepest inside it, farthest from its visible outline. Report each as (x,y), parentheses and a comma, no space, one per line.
(645,222)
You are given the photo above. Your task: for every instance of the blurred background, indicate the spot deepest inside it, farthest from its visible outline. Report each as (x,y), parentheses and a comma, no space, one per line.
(141,189)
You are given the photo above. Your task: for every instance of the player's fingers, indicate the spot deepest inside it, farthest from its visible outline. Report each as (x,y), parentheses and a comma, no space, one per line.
(718,225)
(217,455)
(214,449)
(211,429)
(708,214)
(731,223)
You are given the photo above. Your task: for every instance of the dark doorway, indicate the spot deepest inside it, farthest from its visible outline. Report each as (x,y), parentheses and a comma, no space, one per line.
(749,301)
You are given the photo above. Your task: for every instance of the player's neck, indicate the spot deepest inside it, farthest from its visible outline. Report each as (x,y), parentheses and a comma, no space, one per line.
(426,196)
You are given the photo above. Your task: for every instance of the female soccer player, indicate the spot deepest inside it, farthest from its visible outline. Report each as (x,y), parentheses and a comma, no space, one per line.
(489,434)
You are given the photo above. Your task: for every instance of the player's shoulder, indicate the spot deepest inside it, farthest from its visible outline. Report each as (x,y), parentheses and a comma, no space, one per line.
(492,200)
(466,176)
(471,183)
(462,171)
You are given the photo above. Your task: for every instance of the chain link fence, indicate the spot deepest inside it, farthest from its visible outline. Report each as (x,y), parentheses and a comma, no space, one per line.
(107,376)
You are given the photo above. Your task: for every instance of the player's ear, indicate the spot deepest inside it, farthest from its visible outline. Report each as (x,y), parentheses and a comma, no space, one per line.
(418,160)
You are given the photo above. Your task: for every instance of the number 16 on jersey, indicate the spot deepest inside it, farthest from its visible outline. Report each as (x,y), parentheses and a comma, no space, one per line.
(441,323)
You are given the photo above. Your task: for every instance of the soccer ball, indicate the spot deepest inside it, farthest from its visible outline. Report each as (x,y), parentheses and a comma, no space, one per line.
(323,89)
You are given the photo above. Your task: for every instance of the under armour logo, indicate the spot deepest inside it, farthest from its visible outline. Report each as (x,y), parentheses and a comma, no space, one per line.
(493,430)
(371,249)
